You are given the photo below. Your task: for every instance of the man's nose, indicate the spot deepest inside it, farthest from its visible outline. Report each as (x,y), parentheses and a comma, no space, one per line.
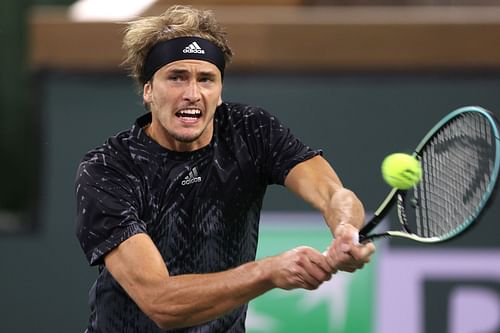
(192,92)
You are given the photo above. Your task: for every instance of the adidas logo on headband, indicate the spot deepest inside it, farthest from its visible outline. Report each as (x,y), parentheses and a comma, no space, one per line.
(193,48)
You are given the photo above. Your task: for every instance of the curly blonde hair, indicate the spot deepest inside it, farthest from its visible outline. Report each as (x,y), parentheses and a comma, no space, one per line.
(177,21)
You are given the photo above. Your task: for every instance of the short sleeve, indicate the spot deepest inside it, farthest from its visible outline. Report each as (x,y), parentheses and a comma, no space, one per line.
(280,150)
(107,208)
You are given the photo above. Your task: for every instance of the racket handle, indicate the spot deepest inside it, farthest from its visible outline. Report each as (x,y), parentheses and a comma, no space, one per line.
(372,223)
(363,238)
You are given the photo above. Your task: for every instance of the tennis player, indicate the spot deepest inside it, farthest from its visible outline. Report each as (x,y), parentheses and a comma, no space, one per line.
(169,209)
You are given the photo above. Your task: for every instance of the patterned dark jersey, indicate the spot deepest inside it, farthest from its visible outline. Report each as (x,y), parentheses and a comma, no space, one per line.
(200,208)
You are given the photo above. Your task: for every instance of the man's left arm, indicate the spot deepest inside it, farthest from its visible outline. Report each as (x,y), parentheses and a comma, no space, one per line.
(316,182)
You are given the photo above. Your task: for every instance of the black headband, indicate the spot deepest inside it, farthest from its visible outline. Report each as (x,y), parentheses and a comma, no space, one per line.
(182,48)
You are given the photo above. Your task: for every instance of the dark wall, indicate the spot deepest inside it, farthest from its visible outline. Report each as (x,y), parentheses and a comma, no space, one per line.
(52,2)
(356,119)
(16,122)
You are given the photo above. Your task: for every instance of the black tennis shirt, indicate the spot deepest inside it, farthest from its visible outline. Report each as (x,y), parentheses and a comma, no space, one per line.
(201,208)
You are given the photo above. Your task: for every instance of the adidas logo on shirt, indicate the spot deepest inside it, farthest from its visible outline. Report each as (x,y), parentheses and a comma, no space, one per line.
(192,177)
(193,48)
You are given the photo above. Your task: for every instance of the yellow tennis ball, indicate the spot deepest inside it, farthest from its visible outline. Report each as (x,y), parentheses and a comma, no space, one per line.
(401,171)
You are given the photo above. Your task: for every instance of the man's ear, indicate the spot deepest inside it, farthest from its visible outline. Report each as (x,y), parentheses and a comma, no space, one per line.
(147,92)
(219,102)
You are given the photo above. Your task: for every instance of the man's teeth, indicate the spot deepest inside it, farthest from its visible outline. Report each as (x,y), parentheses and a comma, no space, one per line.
(189,113)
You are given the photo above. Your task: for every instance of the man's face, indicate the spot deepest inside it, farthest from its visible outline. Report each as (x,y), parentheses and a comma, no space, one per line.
(183,96)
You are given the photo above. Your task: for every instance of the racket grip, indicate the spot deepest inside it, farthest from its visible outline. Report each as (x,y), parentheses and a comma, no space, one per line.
(363,238)
(372,223)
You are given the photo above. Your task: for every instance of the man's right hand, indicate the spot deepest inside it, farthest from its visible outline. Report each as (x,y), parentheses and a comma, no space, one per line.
(302,267)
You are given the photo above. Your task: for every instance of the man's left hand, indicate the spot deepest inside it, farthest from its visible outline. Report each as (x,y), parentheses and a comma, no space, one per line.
(346,253)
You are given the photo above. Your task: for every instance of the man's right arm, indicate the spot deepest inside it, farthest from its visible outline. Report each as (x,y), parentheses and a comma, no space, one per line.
(186,300)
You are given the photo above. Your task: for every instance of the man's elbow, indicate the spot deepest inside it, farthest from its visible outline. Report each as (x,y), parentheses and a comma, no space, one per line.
(165,319)
(164,324)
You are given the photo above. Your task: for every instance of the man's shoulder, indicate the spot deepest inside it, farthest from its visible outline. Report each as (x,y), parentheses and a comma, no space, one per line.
(240,108)
(114,151)
(237,111)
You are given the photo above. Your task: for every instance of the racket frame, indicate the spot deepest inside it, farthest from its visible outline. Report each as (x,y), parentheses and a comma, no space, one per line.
(398,196)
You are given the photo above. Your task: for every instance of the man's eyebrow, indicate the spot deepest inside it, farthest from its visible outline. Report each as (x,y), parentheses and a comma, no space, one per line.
(205,73)
(177,71)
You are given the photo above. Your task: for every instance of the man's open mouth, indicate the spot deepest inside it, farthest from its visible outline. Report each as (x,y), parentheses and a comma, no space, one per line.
(189,113)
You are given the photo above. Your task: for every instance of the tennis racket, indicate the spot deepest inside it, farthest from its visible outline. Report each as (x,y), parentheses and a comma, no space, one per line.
(460,158)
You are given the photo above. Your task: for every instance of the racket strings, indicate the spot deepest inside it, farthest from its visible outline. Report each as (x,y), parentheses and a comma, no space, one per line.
(457,165)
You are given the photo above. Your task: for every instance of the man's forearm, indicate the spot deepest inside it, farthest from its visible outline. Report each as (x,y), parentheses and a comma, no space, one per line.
(344,207)
(183,300)
(192,299)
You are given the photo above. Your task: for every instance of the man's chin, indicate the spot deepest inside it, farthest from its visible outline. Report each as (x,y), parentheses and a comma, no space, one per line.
(186,137)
